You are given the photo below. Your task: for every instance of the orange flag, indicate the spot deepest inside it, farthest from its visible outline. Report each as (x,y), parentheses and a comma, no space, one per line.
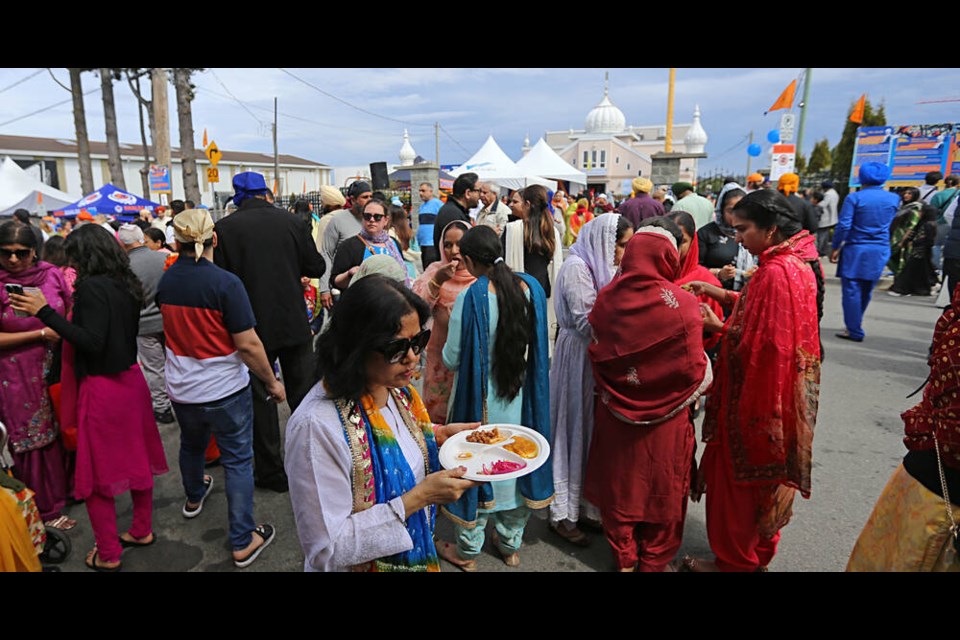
(204,138)
(304,186)
(785,101)
(857,114)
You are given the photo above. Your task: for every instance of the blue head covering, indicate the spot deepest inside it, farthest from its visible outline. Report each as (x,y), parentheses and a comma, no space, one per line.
(248,184)
(550,201)
(873,173)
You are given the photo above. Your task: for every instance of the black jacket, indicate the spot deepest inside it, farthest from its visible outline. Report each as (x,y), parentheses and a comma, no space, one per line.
(106,319)
(269,249)
(809,217)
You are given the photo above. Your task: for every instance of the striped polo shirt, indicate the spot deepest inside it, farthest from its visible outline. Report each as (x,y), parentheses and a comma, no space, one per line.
(202,305)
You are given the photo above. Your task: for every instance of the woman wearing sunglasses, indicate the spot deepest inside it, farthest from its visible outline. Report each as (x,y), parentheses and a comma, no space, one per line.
(497,344)
(372,240)
(361,451)
(26,352)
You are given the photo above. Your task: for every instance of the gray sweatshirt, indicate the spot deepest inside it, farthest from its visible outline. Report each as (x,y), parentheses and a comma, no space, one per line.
(147,265)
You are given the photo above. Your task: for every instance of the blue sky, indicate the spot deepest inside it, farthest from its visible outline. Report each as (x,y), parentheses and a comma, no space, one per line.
(473,103)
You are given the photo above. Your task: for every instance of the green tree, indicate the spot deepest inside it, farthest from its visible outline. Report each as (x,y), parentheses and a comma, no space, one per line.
(843,152)
(800,164)
(820,157)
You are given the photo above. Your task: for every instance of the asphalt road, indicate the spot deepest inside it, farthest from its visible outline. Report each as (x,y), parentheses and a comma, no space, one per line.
(856,447)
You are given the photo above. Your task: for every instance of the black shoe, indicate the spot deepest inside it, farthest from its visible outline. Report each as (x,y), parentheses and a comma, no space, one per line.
(277,484)
(847,336)
(165,417)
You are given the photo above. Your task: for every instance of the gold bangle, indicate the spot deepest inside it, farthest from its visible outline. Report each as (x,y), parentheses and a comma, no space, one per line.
(43,333)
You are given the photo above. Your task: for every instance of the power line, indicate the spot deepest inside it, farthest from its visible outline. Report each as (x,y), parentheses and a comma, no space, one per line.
(52,106)
(351,105)
(744,139)
(238,101)
(32,75)
(314,122)
(454,140)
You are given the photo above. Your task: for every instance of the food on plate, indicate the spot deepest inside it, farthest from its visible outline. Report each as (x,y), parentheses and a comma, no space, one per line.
(502,466)
(523,447)
(492,436)
(464,455)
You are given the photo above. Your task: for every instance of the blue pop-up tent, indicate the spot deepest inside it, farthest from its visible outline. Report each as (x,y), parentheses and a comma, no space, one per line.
(109,200)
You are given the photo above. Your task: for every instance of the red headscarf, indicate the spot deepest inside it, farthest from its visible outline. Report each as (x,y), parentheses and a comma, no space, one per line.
(648,358)
(690,271)
(765,397)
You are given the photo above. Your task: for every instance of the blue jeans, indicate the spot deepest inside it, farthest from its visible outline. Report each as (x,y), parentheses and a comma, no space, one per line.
(230,419)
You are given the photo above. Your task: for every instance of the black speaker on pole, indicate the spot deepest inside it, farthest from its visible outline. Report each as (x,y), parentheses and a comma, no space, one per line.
(378,171)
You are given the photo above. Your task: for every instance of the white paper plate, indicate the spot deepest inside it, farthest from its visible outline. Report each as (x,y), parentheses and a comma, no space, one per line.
(486,454)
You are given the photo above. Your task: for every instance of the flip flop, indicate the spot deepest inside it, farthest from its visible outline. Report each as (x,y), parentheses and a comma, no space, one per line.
(265,531)
(137,542)
(193,512)
(574,536)
(91,562)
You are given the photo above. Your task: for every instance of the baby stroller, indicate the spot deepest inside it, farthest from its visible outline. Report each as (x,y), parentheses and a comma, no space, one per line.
(25,543)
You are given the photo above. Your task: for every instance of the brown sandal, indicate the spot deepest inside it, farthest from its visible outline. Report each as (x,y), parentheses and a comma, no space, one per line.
(573,536)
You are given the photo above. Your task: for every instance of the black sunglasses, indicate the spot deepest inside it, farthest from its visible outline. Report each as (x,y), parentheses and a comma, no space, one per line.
(22,254)
(395,350)
(376,217)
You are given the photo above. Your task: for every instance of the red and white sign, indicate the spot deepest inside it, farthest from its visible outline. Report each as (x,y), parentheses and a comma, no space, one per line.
(782,160)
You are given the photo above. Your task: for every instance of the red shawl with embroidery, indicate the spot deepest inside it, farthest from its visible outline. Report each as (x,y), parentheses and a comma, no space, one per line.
(648,359)
(767,384)
(939,411)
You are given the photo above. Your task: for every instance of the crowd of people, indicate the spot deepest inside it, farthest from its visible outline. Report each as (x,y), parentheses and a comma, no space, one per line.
(607,327)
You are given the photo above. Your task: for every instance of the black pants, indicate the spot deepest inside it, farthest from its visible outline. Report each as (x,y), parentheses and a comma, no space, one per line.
(298,364)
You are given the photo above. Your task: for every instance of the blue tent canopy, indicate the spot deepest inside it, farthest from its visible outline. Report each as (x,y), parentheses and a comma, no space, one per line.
(108,200)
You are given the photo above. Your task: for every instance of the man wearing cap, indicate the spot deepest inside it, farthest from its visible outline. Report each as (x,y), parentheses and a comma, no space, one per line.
(697,206)
(494,213)
(828,218)
(754,182)
(430,206)
(602,205)
(861,244)
(270,250)
(641,205)
(343,224)
(788,184)
(211,341)
(148,266)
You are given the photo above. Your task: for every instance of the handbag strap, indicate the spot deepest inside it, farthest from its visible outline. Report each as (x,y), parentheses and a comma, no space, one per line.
(946,495)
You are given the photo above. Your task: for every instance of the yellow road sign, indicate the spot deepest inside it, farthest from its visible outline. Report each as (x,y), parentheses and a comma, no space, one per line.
(213,174)
(213,153)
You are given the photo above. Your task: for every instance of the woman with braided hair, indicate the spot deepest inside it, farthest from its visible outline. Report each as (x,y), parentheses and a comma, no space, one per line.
(502,377)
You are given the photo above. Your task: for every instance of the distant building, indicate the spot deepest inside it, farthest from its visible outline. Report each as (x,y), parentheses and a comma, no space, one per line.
(612,153)
(55,162)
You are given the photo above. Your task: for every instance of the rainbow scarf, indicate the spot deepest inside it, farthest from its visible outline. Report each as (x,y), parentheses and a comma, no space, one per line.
(381,473)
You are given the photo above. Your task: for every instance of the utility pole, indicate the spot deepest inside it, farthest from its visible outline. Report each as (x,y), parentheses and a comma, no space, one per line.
(748,154)
(668,145)
(436,137)
(276,155)
(803,108)
(161,119)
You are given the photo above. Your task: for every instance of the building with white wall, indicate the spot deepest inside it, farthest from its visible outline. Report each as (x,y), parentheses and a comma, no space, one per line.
(54,160)
(613,153)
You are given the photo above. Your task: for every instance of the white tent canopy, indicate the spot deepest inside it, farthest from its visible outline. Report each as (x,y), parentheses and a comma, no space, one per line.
(544,161)
(491,163)
(19,190)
